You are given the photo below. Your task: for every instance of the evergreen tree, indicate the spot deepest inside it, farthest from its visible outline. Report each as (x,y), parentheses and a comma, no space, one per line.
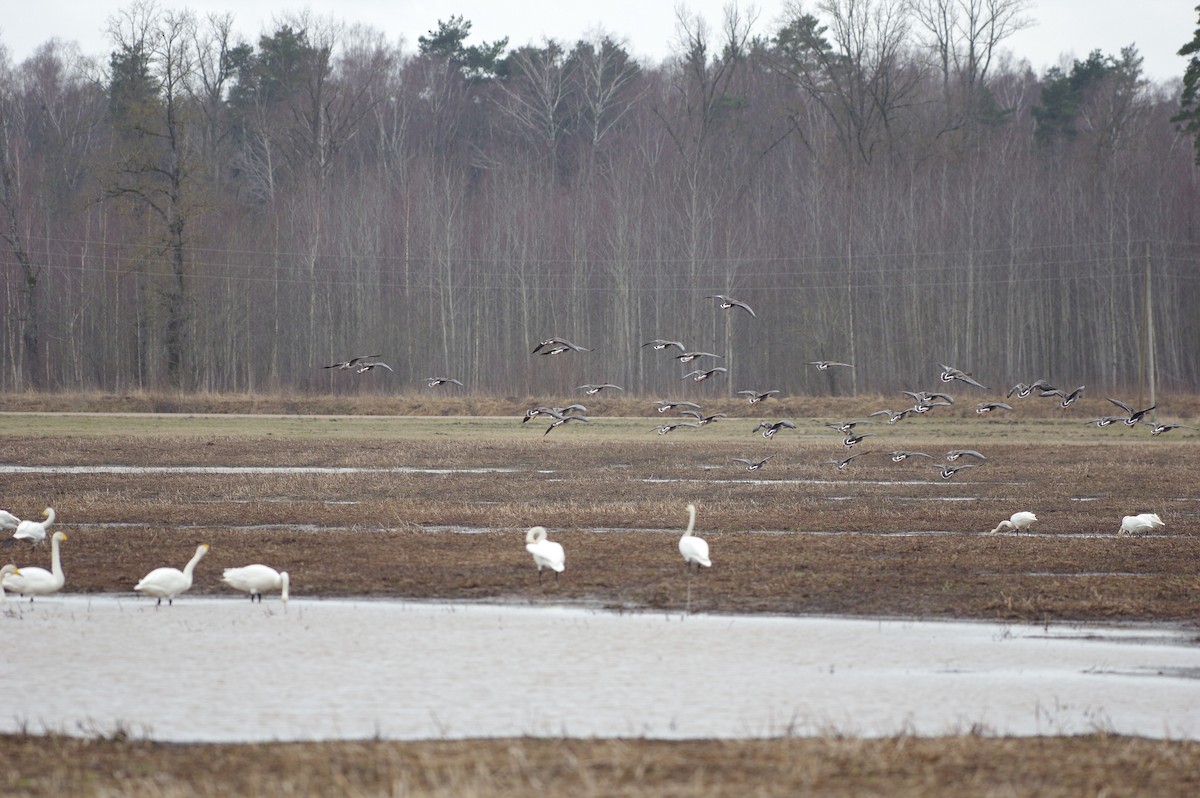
(1188,118)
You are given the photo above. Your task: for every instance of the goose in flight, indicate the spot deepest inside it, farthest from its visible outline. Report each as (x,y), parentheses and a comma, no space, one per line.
(853,440)
(754,397)
(664,405)
(1134,415)
(954,454)
(349,364)
(1104,421)
(553,412)
(1067,398)
(948,471)
(1142,522)
(663,429)
(558,422)
(950,374)
(436,381)
(753,465)
(928,399)
(729,302)
(769,428)
(688,357)
(1159,429)
(710,419)
(987,407)
(901,455)
(556,346)
(824,364)
(592,390)
(841,464)
(661,343)
(699,375)
(845,427)
(1022,390)
(363,368)
(893,415)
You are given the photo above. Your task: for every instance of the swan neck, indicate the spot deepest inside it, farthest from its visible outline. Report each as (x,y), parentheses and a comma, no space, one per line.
(55,558)
(191,566)
(691,519)
(283,578)
(50,516)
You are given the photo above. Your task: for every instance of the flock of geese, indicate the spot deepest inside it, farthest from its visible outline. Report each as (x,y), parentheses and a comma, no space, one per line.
(257,579)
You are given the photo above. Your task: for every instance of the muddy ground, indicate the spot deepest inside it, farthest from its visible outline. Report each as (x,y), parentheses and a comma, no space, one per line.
(443,517)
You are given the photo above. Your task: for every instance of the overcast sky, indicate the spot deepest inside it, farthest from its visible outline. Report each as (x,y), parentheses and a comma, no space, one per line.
(1062,27)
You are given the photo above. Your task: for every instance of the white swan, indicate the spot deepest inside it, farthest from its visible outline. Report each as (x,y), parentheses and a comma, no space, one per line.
(5,571)
(1019,521)
(8,520)
(693,549)
(167,583)
(546,553)
(33,581)
(257,579)
(1142,522)
(35,531)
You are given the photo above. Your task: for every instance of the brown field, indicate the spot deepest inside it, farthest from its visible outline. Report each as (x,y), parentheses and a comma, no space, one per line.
(797,537)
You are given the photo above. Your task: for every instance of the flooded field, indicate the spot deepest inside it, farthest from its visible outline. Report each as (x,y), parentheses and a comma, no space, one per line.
(223,670)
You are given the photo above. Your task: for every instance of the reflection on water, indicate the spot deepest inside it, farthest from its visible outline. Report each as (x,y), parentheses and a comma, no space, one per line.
(221,669)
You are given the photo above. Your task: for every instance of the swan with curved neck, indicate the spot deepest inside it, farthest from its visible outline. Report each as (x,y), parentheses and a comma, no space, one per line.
(546,553)
(693,549)
(257,579)
(33,581)
(167,583)
(35,531)
(5,571)
(1019,521)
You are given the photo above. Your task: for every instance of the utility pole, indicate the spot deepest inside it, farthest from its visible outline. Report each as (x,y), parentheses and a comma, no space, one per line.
(1150,364)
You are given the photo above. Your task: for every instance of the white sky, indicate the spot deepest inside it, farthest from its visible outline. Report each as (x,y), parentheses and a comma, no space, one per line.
(1063,27)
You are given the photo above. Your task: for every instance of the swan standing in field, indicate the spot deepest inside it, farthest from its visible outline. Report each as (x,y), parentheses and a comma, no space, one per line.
(5,571)
(1019,521)
(33,581)
(167,583)
(546,553)
(257,579)
(35,531)
(693,549)
(1142,522)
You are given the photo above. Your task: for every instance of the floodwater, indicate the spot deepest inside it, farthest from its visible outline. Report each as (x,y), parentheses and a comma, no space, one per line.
(222,669)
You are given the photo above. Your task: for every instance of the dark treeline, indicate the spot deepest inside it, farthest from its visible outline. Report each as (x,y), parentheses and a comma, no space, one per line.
(875,177)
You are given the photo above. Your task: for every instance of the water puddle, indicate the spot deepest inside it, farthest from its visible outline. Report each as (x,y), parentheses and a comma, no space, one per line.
(222,669)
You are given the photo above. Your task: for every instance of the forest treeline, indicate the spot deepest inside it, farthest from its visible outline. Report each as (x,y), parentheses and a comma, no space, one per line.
(878,179)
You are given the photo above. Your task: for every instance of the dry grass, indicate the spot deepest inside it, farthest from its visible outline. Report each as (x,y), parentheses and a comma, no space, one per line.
(899,766)
(797,537)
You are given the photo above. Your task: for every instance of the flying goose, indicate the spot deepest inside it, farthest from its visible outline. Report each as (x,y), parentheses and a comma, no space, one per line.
(664,405)
(754,397)
(841,464)
(699,375)
(349,364)
(954,454)
(824,364)
(1022,390)
(1104,421)
(591,389)
(563,420)
(753,465)
(688,357)
(987,407)
(901,455)
(729,302)
(556,346)
(663,429)
(711,419)
(363,368)
(660,343)
(1134,415)
(1067,398)
(436,381)
(949,471)
(1159,429)
(844,427)
(851,440)
(950,374)
(770,428)
(893,415)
